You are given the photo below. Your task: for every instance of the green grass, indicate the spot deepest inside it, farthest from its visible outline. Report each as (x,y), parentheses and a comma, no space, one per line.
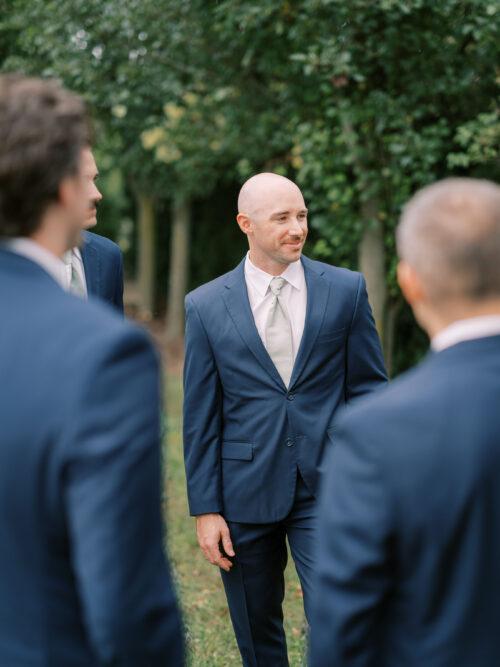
(210,637)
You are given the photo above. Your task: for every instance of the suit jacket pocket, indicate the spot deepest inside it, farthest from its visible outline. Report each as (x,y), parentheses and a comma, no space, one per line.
(331,335)
(239,451)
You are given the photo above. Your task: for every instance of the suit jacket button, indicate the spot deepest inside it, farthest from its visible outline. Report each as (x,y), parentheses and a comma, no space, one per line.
(289,442)
(290,397)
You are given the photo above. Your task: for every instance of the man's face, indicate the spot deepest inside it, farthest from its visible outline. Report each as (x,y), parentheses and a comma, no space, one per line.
(279,225)
(90,173)
(75,202)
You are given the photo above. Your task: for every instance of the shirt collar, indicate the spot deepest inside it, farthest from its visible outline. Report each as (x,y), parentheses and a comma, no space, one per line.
(33,251)
(468,329)
(70,254)
(260,280)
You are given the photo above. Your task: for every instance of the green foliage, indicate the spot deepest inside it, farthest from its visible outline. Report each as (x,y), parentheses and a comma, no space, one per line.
(380,99)
(393,88)
(153,79)
(479,140)
(362,102)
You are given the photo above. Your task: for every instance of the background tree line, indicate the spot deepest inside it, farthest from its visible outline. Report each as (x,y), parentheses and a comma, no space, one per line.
(360,102)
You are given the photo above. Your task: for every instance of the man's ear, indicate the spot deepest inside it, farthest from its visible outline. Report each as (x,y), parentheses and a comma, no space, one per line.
(410,283)
(244,222)
(67,191)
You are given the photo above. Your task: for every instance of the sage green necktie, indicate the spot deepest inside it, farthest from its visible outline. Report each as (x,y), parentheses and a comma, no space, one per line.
(279,342)
(75,284)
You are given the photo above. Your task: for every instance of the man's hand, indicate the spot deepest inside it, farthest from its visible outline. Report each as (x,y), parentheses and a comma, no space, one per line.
(211,530)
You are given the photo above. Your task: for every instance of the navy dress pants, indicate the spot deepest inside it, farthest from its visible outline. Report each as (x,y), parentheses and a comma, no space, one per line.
(255,586)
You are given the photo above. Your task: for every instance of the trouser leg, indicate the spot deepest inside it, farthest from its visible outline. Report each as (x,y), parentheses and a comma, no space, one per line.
(255,589)
(300,526)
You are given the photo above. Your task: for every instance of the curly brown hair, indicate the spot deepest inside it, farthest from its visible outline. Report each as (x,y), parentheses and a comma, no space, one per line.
(43,128)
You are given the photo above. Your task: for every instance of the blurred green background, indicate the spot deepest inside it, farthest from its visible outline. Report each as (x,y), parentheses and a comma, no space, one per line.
(361,102)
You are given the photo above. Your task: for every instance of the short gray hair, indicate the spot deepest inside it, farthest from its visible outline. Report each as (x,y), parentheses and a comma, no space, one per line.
(449,234)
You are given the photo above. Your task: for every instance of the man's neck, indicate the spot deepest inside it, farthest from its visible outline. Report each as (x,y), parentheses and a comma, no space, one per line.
(267,265)
(49,235)
(437,321)
(53,245)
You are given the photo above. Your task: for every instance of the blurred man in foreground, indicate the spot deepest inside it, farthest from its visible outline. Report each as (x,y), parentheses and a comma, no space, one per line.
(95,268)
(409,536)
(84,580)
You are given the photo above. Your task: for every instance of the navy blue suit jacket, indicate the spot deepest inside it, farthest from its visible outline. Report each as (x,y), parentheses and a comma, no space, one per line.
(84,581)
(103,264)
(409,536)
(245,433)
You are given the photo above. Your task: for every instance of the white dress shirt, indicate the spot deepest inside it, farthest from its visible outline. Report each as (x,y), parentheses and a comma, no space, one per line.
(74,257)
(52,264)
(469,329)
(293,294)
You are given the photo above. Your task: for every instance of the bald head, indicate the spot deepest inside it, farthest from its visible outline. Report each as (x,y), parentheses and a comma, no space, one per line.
(263,191)
(450,235)
(272,214)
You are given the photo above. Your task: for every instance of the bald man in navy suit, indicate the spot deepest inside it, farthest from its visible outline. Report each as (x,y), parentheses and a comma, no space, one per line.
(274,349)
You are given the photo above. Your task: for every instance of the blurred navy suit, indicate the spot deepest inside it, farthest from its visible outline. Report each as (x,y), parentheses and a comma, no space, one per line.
(103,264)
(84,581)
(409,533)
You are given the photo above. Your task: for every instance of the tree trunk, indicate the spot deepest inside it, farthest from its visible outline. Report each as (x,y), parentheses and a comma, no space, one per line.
(179,270)
(371,250)
(146,259)
(392,312)
(372,264)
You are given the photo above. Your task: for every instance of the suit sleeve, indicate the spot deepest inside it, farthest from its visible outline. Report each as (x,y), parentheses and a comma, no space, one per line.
(113,508)
(355,550)
(365,368)
(118,298)
(202,418)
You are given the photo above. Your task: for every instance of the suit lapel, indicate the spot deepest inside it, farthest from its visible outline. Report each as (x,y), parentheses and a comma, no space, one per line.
(235,296)
(318,290)
(91,265)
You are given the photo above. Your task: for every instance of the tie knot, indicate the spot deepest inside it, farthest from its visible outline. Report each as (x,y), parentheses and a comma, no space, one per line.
(276,285)
(67,257)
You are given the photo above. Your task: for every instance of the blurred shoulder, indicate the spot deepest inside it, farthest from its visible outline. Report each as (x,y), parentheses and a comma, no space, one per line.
(90,326)
(102,244)
(337,275)
(409,400)
(208,291)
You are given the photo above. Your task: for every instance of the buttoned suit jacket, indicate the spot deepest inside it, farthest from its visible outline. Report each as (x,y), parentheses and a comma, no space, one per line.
(103,265)
(84,578)
(245,433)
(409,532)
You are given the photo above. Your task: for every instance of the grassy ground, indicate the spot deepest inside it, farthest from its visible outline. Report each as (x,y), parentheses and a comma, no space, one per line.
(210,635)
